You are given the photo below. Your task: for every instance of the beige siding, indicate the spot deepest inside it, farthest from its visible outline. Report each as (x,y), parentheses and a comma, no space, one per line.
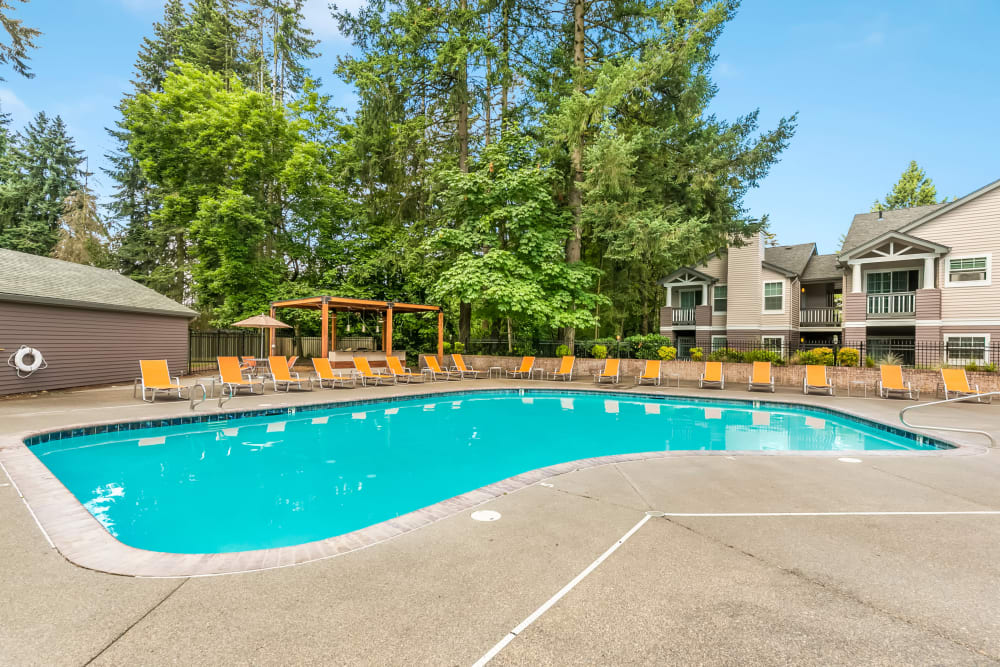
(970,229)
(85,347)
(776,321)
(745,293)
(714,266)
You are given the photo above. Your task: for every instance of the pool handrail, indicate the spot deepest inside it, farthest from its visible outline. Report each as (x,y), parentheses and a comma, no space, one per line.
(993,442)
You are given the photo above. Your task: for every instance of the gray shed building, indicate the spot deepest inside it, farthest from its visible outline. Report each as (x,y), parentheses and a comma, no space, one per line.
(91,325)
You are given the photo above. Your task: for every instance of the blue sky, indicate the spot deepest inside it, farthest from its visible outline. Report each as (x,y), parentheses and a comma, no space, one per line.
(876,84)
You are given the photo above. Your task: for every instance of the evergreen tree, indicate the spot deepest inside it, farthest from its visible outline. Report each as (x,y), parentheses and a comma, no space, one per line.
(83,238)
(21,39)
(912,189)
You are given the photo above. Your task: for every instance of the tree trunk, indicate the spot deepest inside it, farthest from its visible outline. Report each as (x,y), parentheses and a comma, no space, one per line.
(510,337)
(464,322)
(574,241)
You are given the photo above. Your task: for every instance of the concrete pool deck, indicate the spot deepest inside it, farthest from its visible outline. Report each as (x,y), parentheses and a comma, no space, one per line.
(914,588)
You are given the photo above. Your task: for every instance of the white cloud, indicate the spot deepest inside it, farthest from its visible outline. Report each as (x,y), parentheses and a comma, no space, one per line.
(12,104)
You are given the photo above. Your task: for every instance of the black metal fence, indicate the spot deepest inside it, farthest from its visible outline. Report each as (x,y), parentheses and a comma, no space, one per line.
(972,352)
(205,346)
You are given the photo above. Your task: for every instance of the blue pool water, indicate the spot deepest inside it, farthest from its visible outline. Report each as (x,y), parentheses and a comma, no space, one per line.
(262,482)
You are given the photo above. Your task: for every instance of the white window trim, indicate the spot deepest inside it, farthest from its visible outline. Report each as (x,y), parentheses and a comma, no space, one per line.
(713,346)
(726,285)
(890,270)
(763,293)
(968,283)
(781,347)
(962,362)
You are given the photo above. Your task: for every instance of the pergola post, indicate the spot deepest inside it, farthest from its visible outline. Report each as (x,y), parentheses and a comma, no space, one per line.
(324,329)
(272,335)
(387,345)
(333,330)
(440,336)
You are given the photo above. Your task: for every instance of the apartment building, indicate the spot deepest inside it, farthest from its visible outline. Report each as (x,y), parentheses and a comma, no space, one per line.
(902,279)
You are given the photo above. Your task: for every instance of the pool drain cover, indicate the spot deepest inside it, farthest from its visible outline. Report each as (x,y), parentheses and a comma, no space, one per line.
(485,515)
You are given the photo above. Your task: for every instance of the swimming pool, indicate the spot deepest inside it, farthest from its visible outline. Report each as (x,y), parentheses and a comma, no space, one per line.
(270,481)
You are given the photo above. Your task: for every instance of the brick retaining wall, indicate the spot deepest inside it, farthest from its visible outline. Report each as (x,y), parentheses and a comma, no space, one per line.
(927,381)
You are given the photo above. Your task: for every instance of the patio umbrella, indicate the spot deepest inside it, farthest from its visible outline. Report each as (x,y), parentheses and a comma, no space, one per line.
(262,322)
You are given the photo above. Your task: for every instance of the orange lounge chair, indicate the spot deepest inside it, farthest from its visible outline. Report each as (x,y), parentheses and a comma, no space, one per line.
(156,377)
(324,373)
(434,369)
(400,373)
(248,364)
(956,382)
(524,370)
(611,372)
(761,377)
(891,382)
(364,369)
(651,373)
(291,363)
(815,380)
(565,371)
(231,376)
(713,375)
(464,370)
(281,375)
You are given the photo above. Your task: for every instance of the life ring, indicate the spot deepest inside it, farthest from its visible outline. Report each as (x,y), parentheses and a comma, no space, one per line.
(18,361)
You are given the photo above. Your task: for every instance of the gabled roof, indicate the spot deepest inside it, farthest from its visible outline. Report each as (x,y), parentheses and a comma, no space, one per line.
(687,269)
(791,258)
(893,235)
(867,226)
(946,208)
(33,279)
(822,267)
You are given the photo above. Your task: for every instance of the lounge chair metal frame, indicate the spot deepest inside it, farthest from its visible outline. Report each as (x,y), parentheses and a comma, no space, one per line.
(234,387)
(175,384)
(806,387)
(333,378)
(521,372)
(972,392)
(292,379)
(751,384)
(655,380)
(463,370)
(720,383)
(614,378)
(435,372)
(905,388)
(561,374)
(368,375)
(402,373)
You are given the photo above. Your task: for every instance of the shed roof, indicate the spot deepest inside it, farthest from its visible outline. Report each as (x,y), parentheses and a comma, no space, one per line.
(792,258)
(33,279)
(867,226)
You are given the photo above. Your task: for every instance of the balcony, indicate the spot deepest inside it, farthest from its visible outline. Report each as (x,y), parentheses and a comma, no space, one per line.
(888,306)
(683,316)
(820,317)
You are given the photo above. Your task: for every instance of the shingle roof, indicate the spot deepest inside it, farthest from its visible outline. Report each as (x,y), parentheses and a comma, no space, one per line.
(34,279)
(867,226)
(822,267)
(792,258)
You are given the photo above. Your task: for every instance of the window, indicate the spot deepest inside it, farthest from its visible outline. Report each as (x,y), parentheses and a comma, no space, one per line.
(890,282)
(719,298)
(690,298)
(964,349)
(719,342)
(774,294)
(773,343)
(964,271)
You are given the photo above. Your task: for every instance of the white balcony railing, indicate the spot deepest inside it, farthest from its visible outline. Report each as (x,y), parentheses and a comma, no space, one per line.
(683,315)
(820,317)
(899,304)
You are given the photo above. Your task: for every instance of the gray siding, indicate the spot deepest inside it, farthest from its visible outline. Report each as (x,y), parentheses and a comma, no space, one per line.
(86,347)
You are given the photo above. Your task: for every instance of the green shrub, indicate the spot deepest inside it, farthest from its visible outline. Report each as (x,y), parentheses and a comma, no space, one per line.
(848,356)
(869,362)
(990,368)
(667,353)
(447,347)
(644,346)
(459,347)
(763,355)
(726,354)
(562,351)
(889,359)
(599,352)
(972,367)
(820,356)
(697,354)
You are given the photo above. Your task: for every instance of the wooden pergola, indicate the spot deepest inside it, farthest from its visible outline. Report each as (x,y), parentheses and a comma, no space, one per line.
(329,306)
